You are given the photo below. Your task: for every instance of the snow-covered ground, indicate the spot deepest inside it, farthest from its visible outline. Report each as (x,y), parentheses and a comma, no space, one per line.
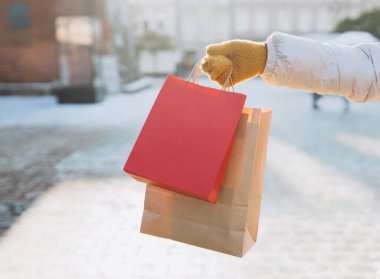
(119,109)
(321,204)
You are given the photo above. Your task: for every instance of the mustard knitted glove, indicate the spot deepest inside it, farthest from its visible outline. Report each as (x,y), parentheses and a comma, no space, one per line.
(245,58)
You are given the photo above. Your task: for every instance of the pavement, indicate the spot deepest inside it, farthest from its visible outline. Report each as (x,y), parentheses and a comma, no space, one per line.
(28,157)
(320,216)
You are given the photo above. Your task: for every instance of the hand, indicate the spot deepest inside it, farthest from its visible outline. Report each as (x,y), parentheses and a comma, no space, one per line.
(245,58)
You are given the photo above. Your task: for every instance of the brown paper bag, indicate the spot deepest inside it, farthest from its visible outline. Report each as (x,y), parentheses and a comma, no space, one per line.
(230,225)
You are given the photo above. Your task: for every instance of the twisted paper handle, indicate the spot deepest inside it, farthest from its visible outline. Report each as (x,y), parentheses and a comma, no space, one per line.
(197,71)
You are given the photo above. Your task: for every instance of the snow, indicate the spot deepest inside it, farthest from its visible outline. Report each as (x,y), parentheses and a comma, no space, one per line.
(119,110)
(115,110)
(137,85)
(320,213)
(329,136)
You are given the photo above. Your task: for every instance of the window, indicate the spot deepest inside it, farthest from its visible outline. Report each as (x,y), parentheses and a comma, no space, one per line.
(76,30)
(261,22)
(146,25)
(160,25)
(243,20)
(305,19)
(19,15)
(285,20)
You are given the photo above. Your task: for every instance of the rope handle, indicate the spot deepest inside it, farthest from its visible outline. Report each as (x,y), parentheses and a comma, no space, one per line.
(197,71)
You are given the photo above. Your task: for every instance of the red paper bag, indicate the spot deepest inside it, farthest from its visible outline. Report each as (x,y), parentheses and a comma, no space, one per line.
(186,140)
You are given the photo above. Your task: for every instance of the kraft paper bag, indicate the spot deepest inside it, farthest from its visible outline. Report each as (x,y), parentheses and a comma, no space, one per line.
(230,225)
(187,138)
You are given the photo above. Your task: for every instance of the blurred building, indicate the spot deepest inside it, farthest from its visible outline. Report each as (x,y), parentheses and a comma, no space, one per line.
(61,42)
(194,24)
(256,19)
(119,16)
(156,20)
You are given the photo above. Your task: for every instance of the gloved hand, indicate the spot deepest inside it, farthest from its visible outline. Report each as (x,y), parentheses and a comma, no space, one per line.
(245,58)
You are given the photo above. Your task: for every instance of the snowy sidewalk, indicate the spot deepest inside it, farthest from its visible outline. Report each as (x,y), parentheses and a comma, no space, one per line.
(90,229)
(321,205)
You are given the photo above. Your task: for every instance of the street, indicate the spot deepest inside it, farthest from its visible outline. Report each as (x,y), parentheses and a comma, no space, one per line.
(61,170)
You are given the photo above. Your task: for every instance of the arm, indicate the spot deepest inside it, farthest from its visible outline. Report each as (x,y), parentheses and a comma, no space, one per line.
(286,60)
(349,71)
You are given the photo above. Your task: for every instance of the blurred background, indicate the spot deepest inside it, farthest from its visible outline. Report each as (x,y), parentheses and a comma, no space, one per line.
(77,81)
(52,45)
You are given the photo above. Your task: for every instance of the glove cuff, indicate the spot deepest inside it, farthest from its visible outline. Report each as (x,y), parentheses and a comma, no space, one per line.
(263,54)
(259,54)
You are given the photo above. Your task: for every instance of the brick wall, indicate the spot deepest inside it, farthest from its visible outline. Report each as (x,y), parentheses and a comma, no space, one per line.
(32,62)
(30,54)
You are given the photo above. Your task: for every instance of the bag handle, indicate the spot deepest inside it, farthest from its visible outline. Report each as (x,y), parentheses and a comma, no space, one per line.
(197,71)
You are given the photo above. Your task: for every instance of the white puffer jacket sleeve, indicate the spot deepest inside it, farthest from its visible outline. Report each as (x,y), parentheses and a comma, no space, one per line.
(325,68)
